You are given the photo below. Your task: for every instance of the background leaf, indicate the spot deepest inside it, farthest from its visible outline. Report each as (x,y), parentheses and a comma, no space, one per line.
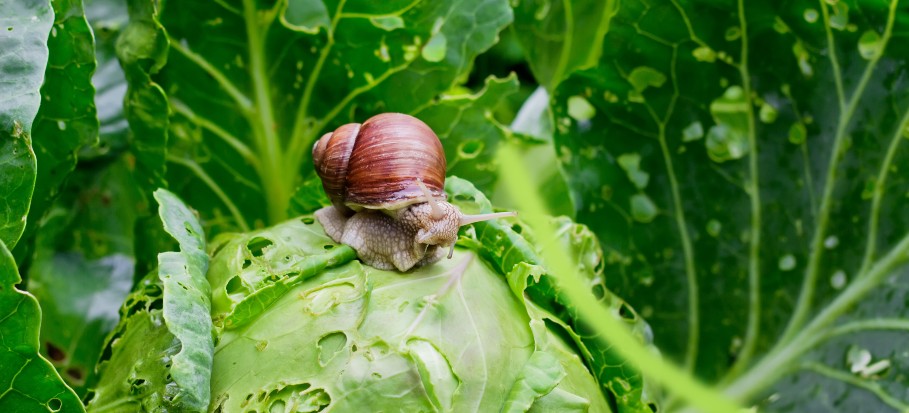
(560,37)
(23,54)
(740,163)
(507,246)
(67,120)
(30,382)
(252,91)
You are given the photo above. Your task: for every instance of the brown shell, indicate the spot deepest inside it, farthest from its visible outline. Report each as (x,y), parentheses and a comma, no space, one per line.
(376,165)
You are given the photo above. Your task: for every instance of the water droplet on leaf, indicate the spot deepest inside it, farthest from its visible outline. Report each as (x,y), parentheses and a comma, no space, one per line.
(787,262)
(642,208)
(869,45)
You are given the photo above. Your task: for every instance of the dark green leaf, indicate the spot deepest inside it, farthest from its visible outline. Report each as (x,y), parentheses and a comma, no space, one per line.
(187,302)
(24,27)
(760,126)
(67,120)
(142,49)
(506,246)
(469,133)
(308,197)
(560,37)
(134,368)
(83,267)
(29,381)
(253,84)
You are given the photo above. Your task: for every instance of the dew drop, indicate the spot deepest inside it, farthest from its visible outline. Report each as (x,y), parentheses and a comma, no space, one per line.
(714,227)
(869,45)
(831,242)
(838,280)
(61,125)
(810,15)
(642,208)
(787,262)
(768,113)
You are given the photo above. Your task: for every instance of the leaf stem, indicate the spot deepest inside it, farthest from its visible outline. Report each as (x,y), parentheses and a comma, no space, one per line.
(874,220)
(239,97)
(609,330)
(780,358)
(752,330)
(200,173)
(301,130)
(233,141)
(275,181)
(806,296)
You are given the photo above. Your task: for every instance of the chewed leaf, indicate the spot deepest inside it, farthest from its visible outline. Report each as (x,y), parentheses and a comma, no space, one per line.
(67,120)
(511,253)
(23,56)
(187,302)
(468,133)
(540,375)
(29,381)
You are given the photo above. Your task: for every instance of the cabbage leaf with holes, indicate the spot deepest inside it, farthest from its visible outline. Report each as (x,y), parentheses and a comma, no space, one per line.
(299,323)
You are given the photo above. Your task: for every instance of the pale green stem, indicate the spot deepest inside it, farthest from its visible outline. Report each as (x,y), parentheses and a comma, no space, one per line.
(752,330)
(203,176)
(831,53)
(866,325)
(275,180)
(806,296)
(691,276)
(874,221)
(239,97)
(609,330)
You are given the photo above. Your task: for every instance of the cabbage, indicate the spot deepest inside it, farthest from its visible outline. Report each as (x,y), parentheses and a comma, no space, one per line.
(301,326)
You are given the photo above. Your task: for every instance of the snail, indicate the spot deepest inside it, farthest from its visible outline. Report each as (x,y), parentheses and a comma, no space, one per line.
(385,179)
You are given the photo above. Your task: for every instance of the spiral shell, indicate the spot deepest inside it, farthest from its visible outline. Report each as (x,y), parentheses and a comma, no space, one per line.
(376,164)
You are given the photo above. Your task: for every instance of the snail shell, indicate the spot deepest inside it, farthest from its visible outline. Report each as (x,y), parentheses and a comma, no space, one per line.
(376,164)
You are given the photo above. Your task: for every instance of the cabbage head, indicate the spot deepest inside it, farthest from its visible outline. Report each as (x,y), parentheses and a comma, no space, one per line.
(299,325)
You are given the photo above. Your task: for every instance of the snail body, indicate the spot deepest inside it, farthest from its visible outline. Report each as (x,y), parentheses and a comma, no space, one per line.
(385,179)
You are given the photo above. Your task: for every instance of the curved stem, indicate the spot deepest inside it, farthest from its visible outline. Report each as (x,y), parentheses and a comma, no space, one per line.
(780,359)
(873,222)
(752,330)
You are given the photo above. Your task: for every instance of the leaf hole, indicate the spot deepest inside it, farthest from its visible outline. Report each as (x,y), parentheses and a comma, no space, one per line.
(235,285)
(157,304)
(626,313)
(246,264)
(55,404)
(75,374)
(307,220)
(599,292)
(517,228)
(257,246)
(55,353)
(328,246)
